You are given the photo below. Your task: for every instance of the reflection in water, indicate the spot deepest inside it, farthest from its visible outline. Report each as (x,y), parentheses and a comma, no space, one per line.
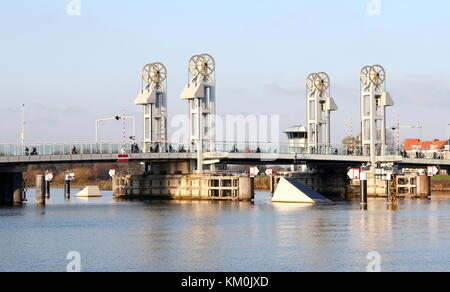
(224,236)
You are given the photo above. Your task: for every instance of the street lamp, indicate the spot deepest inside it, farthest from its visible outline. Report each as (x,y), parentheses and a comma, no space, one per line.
(116,118)
(22,134)
(398,127)
(448,132)
(448,138)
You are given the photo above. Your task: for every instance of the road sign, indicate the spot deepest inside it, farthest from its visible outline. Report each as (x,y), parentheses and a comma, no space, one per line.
(70,176)
(254,171)
(112,173)
(363,176)
(49,176)
(432,170)
(354,173)
(269,172)
(388,176)
(123,158)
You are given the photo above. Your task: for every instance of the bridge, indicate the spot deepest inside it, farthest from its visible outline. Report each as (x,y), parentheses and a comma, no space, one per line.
(202,153)
(227,153)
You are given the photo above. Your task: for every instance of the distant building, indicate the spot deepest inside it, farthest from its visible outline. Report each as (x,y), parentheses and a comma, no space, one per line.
(297,137)
(415,148)
(352,145)
(298,143)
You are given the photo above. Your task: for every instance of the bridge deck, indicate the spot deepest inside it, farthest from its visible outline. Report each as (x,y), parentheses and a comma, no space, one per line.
(273,154)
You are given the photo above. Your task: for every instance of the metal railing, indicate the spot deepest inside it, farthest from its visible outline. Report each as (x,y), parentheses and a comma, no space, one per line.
(49,149)
(286,148)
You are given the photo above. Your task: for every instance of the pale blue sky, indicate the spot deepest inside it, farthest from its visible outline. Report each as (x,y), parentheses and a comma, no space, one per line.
(70,70)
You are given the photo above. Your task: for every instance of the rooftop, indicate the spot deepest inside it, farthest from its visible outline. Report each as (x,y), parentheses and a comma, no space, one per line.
(425,145)
(297,129)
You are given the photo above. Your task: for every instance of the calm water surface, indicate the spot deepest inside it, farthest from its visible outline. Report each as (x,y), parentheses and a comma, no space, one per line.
(227,237)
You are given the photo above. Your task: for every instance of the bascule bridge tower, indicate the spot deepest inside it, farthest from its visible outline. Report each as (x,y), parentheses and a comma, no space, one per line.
(201,96)
(374,101)
(319,107)
(153,98)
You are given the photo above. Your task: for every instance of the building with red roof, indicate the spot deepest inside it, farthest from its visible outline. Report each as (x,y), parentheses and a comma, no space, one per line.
(425,148)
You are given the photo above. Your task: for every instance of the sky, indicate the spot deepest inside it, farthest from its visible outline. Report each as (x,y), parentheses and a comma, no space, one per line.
(70,70)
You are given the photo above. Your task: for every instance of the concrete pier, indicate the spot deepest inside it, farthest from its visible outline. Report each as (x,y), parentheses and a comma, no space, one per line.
(17,188)
(6,190)
(67,189)
(424,186)
(47,189)
(10,188)
(179,181)
(40,189)
(185,187)
(363,197)
(409,186)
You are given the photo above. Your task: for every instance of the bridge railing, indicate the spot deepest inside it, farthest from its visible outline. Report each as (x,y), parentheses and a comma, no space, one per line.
(32,149)
(64,149)
(49,149)
(286,148)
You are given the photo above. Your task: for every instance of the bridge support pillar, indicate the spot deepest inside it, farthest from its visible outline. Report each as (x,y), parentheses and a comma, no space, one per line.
(10,188)
(47,189)
(17,188)
(364,191)
(6,190)
(388,191)
(40,189)
(67,189)
(424,186)
(247,188)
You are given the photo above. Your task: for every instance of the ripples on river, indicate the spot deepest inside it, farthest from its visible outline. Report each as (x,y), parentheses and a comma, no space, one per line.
(222,236)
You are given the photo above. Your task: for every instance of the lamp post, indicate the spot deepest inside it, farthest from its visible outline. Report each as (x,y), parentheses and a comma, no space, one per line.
(448,138)
(22,133)
(116,118)
(448,132)
(398,127)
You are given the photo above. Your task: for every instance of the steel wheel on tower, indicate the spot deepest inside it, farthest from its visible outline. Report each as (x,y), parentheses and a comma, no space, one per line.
(364,75)
(322,81)
(310,81)
(194,63)
(158,73)
(208,66)
(377,75)
(145,73)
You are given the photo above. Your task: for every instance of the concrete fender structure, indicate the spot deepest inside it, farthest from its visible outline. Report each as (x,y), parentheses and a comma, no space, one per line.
(90,192)
(291,191)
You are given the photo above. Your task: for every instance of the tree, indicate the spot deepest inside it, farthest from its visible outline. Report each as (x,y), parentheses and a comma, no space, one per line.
(390,139)
(351,141)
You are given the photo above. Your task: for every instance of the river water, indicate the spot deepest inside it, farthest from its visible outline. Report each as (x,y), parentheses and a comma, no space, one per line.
(223,236)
